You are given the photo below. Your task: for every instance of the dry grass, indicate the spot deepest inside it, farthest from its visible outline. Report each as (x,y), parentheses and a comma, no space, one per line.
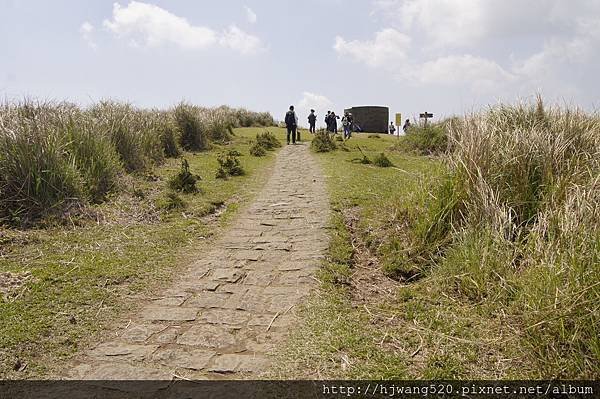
(54,155)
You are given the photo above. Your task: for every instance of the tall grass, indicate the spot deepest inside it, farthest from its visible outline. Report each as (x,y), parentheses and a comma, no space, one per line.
(52,154)
(516,224)
(426,140)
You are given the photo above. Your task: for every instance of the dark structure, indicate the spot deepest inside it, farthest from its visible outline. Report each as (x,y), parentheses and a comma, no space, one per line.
(371,119)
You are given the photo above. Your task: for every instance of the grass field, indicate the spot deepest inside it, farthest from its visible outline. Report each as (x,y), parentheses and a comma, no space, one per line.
(416,286)
(85,275)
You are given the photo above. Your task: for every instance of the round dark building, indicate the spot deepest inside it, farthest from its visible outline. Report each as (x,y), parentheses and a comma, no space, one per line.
(371,119)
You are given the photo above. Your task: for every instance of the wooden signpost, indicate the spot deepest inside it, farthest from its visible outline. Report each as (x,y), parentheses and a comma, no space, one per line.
(398,122)
(426,115)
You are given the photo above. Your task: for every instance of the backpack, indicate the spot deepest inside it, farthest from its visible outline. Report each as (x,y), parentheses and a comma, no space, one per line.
(290,118)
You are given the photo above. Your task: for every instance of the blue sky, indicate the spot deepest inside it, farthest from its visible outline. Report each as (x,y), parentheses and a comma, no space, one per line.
(444,56)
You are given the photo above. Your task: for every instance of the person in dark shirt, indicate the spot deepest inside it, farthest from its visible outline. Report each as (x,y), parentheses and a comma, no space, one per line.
(291,123)
(333,117)
(406,126)
(312,121)
(328,121)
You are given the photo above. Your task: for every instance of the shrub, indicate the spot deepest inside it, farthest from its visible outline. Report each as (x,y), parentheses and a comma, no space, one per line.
(229,165)
(191,131)
(267,140)
(184,180)
(374,136)
(258,150)
(382,161)
(322,142)
(171,201)
(430,140)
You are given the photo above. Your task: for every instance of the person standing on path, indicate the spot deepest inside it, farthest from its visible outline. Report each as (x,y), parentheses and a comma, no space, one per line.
(347,124)
(333,117)
(291,123)
(328,121)
(406,126)
(312,121)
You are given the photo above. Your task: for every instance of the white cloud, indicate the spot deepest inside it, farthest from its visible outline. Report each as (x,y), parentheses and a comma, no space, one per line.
(154,26)
(480,73)
(387,49)
(238,40)
(151,26)
(86,30)
(483,45)
(250,15)
(318,102)
(458,23)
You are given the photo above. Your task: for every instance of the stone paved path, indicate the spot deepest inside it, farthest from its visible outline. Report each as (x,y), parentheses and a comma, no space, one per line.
(225,315)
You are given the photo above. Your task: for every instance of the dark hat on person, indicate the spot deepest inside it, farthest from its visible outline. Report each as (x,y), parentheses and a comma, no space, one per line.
(312,110)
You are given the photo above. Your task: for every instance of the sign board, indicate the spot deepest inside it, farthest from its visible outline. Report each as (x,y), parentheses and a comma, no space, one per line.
(426,115)
(398,119)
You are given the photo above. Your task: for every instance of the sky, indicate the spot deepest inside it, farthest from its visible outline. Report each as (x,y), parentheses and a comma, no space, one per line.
(448,57)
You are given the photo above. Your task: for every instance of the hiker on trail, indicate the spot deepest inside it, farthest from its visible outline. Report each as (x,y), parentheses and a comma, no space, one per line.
(392,128)
(333,118)
(328,121)
(291,123)
(347,124)
(406,126)
(312,120)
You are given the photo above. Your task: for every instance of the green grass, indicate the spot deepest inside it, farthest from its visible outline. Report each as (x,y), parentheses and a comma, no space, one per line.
(94,269)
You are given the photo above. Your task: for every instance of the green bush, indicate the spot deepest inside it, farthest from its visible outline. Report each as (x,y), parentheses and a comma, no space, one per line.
(382,161)
(322,142)
(267,140)
(184,180)
(258,150)
(229,165)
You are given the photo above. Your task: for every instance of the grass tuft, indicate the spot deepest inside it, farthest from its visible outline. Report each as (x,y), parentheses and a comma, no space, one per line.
(184,180)
(322,142)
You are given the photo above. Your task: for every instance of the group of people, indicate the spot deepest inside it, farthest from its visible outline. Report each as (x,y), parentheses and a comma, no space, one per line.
(291,124)
(392,128)
(348,124)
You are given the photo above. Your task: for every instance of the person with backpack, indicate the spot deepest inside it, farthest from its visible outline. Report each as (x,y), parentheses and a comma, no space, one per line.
(347,124)
(312,121)
(392,128)
(328,121)
(406,126)
(291,124)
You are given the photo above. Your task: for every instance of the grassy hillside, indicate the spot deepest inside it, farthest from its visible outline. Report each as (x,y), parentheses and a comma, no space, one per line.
(483,263)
